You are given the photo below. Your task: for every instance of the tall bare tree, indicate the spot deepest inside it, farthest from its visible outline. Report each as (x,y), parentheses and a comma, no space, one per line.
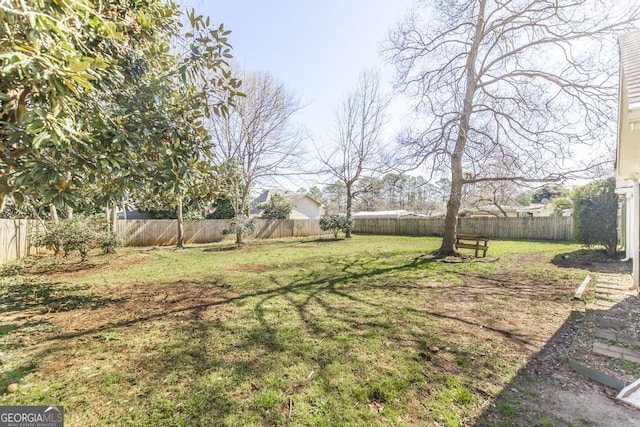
(529,83)
(493,197)
(358,151)
(258,135)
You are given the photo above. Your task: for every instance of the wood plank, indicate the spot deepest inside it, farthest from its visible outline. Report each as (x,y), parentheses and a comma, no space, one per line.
(614,336)
(616,352)
(471,236)
(471,246)
(582,287)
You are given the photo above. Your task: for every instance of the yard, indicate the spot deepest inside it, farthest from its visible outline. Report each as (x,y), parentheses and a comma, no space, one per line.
(366,331)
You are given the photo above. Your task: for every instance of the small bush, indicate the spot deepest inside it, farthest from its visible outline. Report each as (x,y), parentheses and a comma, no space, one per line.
(560,205)
(80,234)
(241,226)
(335,224)
(109,241)
(15,268)
(595,208)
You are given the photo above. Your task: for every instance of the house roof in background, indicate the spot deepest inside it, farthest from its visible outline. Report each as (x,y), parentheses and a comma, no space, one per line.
(291,196)
(400,213)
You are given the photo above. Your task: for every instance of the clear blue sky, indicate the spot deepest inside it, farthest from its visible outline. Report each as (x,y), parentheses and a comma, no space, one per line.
(317,48)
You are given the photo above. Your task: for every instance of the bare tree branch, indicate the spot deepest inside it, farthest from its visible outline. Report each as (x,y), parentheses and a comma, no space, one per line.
(259,133)
(357,151)
(531,84)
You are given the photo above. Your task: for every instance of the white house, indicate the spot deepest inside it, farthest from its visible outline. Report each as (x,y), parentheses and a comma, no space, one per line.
(305,206)
(628,147)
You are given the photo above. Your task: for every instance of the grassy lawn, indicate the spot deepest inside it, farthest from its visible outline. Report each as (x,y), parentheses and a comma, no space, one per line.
(367,331)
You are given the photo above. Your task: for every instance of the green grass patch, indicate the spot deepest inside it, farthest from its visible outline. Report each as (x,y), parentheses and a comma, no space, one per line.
(366,331)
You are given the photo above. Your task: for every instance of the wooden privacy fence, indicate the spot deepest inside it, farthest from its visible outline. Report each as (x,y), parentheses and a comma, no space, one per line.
(532,228)
(158,232)
(14,233)
(14,238)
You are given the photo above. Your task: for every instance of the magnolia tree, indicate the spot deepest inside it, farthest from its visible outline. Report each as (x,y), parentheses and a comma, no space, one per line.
(83,84)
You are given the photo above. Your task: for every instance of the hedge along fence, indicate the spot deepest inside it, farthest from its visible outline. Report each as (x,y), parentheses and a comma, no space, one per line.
(531,228)
(15,238)
(159,232)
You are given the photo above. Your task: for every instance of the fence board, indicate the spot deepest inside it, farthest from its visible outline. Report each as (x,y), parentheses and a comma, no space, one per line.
(14,234)
(159,232)
(533,228)
(15,239)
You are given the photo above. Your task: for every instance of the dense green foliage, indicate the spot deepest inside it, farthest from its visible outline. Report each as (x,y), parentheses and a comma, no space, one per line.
(278,207)
(80,234)
(560,205)
(548,192)
(222,209)
(83,82)
(595,208)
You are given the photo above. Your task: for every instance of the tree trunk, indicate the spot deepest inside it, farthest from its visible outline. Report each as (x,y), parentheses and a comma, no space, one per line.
(240,210)
(180,223)
(67,181)
(448,246)
(114,217)
(53,211)
(3,198)
(347,232)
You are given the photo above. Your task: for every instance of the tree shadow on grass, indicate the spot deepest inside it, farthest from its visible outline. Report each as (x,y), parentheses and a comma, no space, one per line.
(222,248)
(548,391)
(48,265)
(50,297)
(318,343)
(325,239)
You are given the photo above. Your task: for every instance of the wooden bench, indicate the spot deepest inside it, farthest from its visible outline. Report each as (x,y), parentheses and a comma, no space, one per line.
(472,241)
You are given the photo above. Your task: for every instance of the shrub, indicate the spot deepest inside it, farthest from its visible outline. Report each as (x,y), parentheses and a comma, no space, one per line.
(222,209)
(109,241)
(560,205)
(277,207)
(80,234)
(335,224)
(241,226)
(595,207)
